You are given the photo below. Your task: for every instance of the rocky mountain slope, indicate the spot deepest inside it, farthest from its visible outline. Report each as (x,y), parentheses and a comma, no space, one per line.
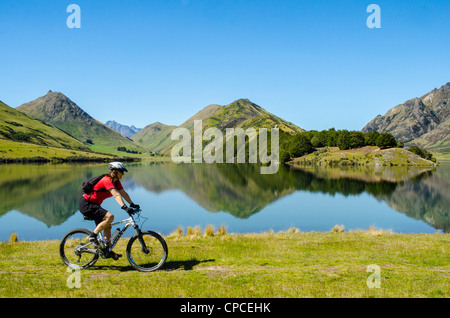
(423,121)
(124,130)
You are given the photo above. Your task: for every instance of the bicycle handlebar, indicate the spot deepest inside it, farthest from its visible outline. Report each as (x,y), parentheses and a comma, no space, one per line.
(135,210)
(131,210)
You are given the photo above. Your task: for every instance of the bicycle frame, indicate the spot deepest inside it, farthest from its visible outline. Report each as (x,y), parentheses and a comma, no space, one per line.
(129,222)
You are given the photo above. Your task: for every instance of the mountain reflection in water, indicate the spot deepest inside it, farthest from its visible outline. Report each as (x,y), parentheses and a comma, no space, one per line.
(50,193)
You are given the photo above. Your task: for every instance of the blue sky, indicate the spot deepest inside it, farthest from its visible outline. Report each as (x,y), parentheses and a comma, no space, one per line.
(313,62)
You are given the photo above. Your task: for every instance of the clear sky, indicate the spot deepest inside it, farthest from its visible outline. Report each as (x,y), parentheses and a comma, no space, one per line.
(312,62)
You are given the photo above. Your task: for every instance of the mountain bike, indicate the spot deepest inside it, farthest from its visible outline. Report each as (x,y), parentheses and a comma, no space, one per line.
(146,251)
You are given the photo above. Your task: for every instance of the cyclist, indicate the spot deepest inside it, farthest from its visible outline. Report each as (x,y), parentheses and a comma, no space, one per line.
(90,204)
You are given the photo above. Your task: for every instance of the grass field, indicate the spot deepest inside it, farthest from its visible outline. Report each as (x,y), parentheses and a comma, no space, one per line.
(287,264)
(12,150)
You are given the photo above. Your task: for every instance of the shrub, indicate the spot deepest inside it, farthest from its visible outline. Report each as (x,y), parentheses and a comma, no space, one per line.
(299,146)
(422,153)
(343,140)
(356,139)
(386,140)
(371,138)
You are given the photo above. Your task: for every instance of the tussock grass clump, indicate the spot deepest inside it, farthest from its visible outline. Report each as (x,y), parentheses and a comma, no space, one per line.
(13,238)
(222,230)
(377,232)
(293,230)
(372,230)
(193,231)
(179,232)
(338,228)
(209,230)
(196,231)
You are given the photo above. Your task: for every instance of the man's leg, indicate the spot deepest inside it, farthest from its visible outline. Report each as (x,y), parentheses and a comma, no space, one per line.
(105,225)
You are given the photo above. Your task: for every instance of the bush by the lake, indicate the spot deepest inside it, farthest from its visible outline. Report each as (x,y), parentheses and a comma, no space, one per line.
(301,144)
(422,153)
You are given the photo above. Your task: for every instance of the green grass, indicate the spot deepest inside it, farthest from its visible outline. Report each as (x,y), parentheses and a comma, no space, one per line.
(108,149)
(17,150)
(288,264)
(440,156)
(13,151)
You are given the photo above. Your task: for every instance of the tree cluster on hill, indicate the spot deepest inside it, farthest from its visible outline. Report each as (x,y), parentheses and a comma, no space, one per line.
(422,153)
(124,149)
(298,145)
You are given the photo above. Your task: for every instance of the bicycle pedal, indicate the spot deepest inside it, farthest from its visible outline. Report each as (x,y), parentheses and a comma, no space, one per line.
(115,256)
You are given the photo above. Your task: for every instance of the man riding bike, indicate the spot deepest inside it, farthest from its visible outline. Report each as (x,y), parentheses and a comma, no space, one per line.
(108,186)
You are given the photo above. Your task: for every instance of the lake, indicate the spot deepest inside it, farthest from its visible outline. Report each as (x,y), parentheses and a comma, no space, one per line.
(40,202)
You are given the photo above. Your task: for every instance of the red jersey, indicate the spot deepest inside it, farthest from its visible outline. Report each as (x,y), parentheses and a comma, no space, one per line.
(103,185)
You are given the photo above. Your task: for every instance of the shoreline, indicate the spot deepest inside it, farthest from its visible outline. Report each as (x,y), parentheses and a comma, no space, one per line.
(197,232)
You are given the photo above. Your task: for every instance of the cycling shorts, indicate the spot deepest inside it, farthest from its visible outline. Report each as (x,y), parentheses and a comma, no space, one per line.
(92,211)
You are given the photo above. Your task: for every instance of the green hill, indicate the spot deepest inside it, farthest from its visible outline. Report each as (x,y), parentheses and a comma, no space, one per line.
(241,113)
(155,137)
(58,110)
(16,126)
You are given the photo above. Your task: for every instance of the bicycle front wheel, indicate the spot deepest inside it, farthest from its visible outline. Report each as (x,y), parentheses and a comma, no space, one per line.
(76,251)
(147,252)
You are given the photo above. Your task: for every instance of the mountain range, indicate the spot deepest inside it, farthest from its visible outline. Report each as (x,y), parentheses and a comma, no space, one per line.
(124,130)
(55,120)
(56,110)
(241,113)
(424,121)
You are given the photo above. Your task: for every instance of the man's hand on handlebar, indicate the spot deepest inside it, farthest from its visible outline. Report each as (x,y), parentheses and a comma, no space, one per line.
(135,206)
(129,210)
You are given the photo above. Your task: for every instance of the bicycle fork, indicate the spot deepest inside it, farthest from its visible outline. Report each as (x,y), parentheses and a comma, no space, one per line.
(145,250)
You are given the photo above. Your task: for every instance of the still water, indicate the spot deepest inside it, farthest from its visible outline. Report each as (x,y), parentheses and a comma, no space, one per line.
(40,202)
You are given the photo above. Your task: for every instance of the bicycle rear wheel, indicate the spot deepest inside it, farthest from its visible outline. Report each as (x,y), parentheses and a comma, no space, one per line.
(149,257)
(76,251)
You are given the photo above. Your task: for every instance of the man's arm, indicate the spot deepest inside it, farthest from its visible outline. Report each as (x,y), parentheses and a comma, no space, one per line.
(117,196)
(125,195)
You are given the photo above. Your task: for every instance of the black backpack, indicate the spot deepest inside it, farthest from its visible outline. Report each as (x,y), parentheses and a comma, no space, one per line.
(88,186)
